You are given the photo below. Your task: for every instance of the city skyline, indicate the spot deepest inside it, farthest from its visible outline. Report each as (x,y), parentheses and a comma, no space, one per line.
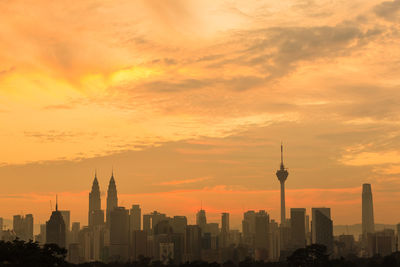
(102,203)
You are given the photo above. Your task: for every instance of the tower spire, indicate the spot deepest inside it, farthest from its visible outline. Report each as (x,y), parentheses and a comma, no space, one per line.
(56,202)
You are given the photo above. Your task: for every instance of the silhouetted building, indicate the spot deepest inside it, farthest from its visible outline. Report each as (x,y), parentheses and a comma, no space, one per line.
(398,237)
(249,227)
(119,234)
(192,243)
(261,240)
(151,220)
(201,219)
(1,224)
(298,228)
(179,224)
(225,230)
(282,175)
(23,227)
(368,225)
(94,201)
(76,227)
(112,198)
(322,227)
(55,229)
(381,243)
(135,218)
(138,244)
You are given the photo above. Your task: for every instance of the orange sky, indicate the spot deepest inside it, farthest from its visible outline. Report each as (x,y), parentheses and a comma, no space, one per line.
(189,100)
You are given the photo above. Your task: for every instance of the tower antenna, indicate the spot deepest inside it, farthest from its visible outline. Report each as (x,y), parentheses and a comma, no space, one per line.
(56,202)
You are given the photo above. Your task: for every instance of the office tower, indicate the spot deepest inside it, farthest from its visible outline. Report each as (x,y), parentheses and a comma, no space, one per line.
(382,243)
(1,224)
(29,227)
(248,227)
(322,227)
(201,219)
(94,200)
(282,175)
(23,227)
(138,244)
(298,228)
(151,220)
(66,214)
(224,230)
(274,245)
(112,198)
(398,237)
(76,227)
(179,224)
(135,218)
(368,225)
(41,237)
(55,229)
(192,243)
(261,240)
(119,234)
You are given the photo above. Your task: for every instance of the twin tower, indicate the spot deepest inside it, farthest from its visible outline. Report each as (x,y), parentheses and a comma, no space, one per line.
(96,214)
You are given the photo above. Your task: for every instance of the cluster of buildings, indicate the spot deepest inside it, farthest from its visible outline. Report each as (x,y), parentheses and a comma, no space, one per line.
(121,234)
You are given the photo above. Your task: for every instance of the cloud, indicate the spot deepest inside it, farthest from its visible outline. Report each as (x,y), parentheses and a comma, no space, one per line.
(388,10)
(185,181)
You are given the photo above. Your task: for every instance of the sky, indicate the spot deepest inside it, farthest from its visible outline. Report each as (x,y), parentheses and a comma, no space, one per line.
(188,102)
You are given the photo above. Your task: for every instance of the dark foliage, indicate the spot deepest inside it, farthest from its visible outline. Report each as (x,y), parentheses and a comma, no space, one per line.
(20,253)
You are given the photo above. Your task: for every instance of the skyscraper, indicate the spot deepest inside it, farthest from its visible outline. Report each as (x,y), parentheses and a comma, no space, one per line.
(94,200)
(201,219)
(298,228)
(119,234)
(135,218)
(55,229)
(23,226)
(368,225)
(112,198)
(224,229)
(282,175)
(322,227)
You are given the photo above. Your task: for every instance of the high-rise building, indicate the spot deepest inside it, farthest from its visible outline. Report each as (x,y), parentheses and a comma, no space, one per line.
(298,228)
(225,230)
(368,225)
(201,219)
(322,227)
(138,244)
(261,240)
(192,243)
(119,234)
(135,218)
(76,227)
(282,175)
(248,227)
(55,229)
(382,243)
(1,224)
(398,237)
(23,227)
(179,224)
(112,198)
(94,200)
